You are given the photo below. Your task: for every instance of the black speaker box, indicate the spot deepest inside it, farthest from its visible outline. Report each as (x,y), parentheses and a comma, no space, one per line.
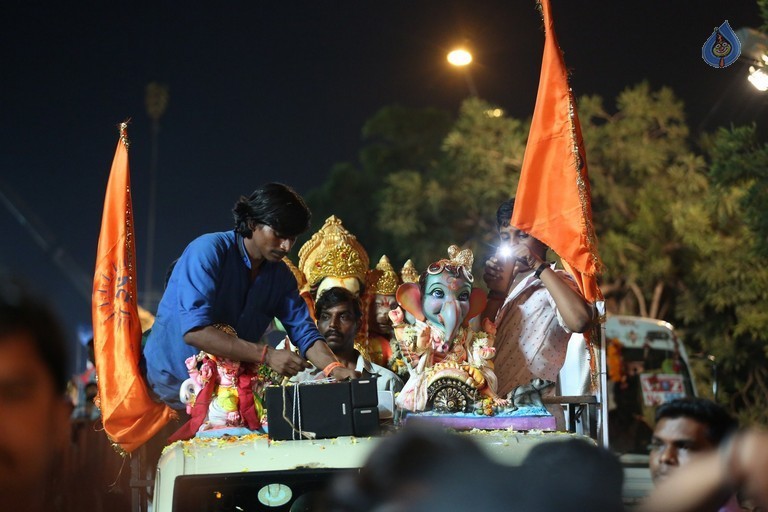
(325,409)
(366,421)
(365,392)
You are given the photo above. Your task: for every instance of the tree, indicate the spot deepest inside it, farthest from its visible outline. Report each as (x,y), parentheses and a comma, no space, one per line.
(640,168)
(723,303)
(738,158)
(454,200)
(682,232)
(395,138)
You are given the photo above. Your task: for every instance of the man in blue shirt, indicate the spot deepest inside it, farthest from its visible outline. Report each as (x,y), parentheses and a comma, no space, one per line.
(237,278)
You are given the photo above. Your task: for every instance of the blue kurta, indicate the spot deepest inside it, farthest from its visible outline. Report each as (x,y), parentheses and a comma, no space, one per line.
(210,284)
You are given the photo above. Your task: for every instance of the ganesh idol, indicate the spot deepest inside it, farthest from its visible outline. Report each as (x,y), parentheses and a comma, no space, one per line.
(450,365)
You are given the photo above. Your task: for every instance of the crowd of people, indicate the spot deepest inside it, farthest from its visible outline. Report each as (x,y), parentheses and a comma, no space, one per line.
(699,458)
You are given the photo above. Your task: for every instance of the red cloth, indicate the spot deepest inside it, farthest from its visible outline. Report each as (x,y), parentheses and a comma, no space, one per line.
(245,406)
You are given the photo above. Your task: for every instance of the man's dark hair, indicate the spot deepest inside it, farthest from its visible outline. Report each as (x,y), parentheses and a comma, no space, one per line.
(575,465)
(335,296)
(504,213)
(717,420)
(275,205)
(21,313)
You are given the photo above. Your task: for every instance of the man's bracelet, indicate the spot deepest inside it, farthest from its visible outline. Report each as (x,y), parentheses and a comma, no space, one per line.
(331,366)
(541,268)
(493,294)
(264,354)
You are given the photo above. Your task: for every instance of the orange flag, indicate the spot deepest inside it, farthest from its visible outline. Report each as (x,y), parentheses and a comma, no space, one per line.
(553,200)
(129,415)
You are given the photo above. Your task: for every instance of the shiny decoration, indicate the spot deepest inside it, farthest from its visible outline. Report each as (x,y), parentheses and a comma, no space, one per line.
(333,251)
(124,135)
(383,280)
(409,274)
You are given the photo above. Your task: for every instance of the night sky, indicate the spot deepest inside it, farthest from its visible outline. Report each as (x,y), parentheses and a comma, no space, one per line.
(280,92)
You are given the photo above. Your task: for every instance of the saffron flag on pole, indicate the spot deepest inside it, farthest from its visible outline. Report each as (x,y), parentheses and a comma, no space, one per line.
(130,416)
(553,200)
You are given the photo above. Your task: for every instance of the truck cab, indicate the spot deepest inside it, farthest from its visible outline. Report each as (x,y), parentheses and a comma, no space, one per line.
(253,472)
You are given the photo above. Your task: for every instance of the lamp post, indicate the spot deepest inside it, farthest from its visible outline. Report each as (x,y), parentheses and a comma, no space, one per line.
(461,58)
(754,48)
(156,102)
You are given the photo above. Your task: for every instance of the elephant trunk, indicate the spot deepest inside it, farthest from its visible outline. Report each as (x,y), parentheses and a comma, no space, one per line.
(450,314)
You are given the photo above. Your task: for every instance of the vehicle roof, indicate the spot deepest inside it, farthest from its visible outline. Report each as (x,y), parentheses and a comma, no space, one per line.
(257,453)
(635,332)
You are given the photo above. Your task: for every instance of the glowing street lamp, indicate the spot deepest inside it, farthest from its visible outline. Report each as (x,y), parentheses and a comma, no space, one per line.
(461,58)
(754,47)
(758,77)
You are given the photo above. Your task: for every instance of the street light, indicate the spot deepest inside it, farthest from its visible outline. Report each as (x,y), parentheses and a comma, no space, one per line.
(156,101)
(754,47)
(461,58)
(759,77)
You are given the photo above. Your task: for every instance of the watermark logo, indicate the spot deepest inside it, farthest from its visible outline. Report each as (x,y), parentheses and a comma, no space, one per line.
(722,48)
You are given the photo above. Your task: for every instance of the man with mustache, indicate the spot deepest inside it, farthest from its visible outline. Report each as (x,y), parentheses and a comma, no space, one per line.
(237,278)
(686,428)
(339,316)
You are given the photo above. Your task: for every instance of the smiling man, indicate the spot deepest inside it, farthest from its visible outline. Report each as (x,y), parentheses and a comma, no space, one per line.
(237,278)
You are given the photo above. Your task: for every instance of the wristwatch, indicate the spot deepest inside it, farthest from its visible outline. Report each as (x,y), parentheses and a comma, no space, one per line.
(541,269)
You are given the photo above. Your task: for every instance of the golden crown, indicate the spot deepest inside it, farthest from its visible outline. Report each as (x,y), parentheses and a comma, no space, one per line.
(333,251)
(409,274)
(383,279)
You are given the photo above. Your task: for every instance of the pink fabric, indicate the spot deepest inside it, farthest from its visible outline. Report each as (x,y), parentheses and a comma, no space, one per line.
(732,505)
(531,337)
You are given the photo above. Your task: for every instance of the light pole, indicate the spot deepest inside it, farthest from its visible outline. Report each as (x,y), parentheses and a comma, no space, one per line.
(461,58)
(754,48)
(156,101)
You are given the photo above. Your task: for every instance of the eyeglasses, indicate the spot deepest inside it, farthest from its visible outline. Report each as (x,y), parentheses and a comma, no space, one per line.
(442,265)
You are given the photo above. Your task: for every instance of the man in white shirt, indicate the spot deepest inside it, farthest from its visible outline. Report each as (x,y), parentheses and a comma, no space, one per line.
(534,307)
(339,316)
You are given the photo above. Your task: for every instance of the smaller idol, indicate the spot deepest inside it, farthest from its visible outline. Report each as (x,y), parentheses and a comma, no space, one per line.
(223,396)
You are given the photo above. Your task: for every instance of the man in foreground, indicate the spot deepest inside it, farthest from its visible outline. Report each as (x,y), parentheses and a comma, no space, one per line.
(684,429)
(35,424)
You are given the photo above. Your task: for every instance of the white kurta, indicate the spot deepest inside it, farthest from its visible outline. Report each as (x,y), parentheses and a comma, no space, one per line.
(531,336)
